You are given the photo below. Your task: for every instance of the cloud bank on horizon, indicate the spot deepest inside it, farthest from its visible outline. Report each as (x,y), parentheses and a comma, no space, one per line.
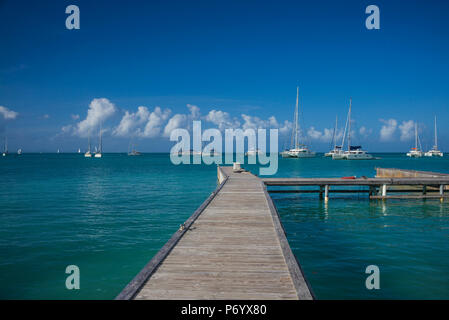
(158,122)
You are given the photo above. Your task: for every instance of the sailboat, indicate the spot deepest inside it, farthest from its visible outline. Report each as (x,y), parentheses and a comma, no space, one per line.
(19,151)
(415,152)
(5,150)
(298,150)
(353,152)
(434,152)
(98,152)
(133,152)
(79,150)
(336,149)
(253,152)
(88,154)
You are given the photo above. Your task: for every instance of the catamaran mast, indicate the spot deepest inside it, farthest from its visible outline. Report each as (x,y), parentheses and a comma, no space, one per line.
(349,124)
(436,139)
(334,140)
(416,135)
(344,133)
(296,117)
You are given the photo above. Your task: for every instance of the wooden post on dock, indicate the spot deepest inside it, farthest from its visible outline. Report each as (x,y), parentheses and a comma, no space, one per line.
(321,192)
(442,192)
(424,189)
(384,190)
(371,191)
(326,193)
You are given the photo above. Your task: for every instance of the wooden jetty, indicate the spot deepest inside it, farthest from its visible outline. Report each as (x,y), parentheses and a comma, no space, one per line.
(232,247)
(377,188)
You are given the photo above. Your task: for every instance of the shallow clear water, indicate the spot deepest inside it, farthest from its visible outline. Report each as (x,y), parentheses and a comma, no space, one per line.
(109,216)
(407,239)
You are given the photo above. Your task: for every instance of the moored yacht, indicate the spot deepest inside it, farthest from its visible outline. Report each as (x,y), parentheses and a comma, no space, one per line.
(434,152)
(299,150)
(415,152)
(98,153)
(253,152)
(353,152)
(5,150)
(336,149)
(88,154)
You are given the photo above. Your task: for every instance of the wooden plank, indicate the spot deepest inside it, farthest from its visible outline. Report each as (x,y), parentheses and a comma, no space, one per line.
(234,249)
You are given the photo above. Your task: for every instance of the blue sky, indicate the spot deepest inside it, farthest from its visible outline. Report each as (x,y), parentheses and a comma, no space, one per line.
(233,57)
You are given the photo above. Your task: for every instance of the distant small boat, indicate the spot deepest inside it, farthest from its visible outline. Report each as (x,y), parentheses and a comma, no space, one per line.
(434,152)
(88,154)
(415,152)
(98,153)
(79,150)
(134,153)
(19,152)
(189,153)
(5,150)
(58,151)
(253,152)
(210,153)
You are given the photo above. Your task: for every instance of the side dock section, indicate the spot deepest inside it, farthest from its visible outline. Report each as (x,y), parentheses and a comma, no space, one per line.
(232,247)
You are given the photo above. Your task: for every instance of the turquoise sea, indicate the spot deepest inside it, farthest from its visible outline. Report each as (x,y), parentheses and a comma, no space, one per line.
(109,217)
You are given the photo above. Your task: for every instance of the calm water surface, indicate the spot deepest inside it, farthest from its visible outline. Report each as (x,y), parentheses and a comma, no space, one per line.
(109,216)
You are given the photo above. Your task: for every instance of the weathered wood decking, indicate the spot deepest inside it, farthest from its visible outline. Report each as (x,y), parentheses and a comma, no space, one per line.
(233,248)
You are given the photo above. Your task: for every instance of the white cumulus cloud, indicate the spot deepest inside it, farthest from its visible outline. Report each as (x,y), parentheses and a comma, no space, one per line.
(130,122)
(155,121)
(325,135)
(99,111)
(406,129)
(7,113)
(388,129)
(175,122)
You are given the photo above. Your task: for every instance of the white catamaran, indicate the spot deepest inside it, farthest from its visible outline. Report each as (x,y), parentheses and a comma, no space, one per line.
(434,152)
(298,150)
(416,152)
(353,152)
(336,149)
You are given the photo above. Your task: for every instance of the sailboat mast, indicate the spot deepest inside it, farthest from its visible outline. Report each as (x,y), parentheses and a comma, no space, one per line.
(436,139)
(334,138)
(349,124)
(100,140)
(416,136)
(296,117)
(88,143)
